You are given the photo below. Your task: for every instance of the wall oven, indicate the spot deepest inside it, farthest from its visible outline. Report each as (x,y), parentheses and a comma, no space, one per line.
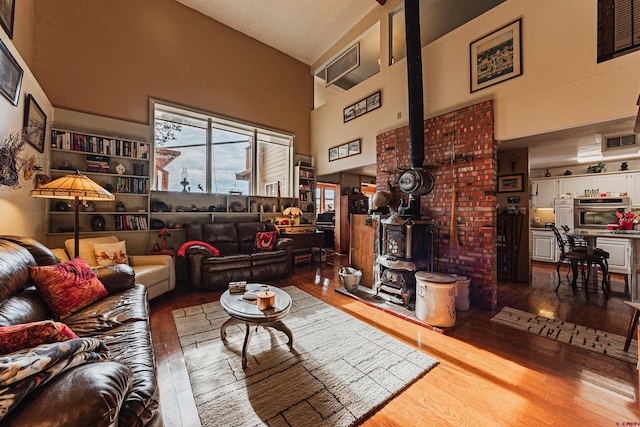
(597,212)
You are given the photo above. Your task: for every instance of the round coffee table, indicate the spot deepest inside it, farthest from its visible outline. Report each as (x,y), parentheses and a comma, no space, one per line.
(247,312)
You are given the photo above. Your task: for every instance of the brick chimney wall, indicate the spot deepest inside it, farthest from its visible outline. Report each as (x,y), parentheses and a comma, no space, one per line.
(466,133)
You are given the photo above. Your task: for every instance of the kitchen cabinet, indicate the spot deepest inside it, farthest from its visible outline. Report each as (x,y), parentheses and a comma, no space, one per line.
(543,192)
(575,185)
(634,188)
(612,183)
(619,250)
(563,213)
(545,246)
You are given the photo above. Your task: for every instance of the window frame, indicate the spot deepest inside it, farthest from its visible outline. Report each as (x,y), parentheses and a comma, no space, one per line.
(227,124)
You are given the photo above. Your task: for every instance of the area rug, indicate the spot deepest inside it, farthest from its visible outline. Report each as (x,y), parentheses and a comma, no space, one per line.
(569,333)
(341,369)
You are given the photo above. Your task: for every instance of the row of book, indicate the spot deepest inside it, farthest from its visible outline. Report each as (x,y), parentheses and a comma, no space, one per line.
(133,185)
(131,222)
(99,145)
(98,164)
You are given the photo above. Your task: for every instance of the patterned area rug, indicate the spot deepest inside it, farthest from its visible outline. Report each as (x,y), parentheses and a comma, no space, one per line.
(580,336)
(341,369)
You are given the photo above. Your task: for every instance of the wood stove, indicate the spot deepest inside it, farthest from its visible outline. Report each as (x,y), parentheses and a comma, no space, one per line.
(407,247)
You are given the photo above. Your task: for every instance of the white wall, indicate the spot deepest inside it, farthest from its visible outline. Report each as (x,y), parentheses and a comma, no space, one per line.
(23,215)
(562,86)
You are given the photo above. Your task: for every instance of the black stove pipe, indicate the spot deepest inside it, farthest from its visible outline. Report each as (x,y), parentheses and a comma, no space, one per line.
(414,74)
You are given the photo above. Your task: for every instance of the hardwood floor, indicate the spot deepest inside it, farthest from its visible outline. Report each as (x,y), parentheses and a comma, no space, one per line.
(488,375)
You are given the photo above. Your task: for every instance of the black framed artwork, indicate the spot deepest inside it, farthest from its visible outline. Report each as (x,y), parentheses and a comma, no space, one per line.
(365,105)
(7,12)
(511,183)
(497,56)
(10,75)
(36,121)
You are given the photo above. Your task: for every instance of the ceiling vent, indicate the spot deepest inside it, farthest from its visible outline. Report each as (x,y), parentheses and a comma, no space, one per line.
(342,65)
(620,141)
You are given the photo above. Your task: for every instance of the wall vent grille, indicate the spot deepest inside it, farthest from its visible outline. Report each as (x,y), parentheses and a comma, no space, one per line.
(342,65)
(620,141)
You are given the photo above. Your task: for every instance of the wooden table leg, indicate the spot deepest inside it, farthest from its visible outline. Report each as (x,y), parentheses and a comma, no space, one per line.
(632,325)
(247,340)
(283,328)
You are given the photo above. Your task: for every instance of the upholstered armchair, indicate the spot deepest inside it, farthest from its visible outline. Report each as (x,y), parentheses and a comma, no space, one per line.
(156,272)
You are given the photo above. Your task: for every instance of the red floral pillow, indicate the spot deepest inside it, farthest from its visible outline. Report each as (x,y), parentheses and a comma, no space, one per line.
(28,335)
(265,240)
(67,287)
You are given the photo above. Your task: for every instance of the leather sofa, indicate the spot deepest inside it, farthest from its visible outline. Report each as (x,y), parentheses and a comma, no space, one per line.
(238,259)
(122,391)
(156,272)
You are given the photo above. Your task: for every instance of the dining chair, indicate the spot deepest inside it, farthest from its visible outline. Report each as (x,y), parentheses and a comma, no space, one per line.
(588,258)
(571,257)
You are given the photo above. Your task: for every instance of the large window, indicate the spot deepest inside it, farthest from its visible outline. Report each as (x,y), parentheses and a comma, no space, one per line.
(200,152)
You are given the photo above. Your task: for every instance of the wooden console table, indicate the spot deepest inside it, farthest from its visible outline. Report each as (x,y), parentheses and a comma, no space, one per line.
(304,241)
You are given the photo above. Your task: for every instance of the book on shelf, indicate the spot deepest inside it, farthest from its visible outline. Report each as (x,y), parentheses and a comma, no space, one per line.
(100,145)
(131,222)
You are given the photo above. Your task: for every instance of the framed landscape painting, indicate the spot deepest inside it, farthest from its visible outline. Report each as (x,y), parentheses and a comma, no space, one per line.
(511,183)
(496,57)
(10,75)
(35,118)
(7,12)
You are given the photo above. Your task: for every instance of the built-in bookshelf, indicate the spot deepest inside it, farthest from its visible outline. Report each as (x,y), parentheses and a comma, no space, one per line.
(305,187)
(119,165)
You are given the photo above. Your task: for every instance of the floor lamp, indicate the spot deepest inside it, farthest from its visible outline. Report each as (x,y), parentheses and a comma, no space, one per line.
(77,187)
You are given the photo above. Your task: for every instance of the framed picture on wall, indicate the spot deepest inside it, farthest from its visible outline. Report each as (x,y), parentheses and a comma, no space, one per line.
(511,183)
(7,12)
(36,120)
(496,57)
(10,75)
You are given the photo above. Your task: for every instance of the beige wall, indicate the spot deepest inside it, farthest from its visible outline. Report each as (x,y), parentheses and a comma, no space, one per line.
(562,85)
(109,57)
(21,214)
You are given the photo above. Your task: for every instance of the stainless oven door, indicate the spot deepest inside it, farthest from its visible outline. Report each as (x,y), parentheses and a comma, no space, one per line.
(596,216)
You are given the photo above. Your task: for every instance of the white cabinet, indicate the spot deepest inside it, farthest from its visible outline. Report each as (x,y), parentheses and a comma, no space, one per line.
(544,245)
(575,185)
(563,213)
(543,192)
(619,250)
(612,183)
(634,188)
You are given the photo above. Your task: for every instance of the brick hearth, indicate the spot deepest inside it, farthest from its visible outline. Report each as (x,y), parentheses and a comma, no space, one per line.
(467,132)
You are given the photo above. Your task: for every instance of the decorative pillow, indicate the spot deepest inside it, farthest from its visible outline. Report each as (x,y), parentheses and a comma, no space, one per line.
(111,253)
(27,335)
(67,287)
(266,240)
(190,243)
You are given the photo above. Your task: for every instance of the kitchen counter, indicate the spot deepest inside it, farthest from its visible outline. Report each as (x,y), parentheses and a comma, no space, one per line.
(625,234)
(632,235)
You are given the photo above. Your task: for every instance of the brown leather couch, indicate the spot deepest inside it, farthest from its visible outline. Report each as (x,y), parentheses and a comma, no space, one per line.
(122,391)
(237,260)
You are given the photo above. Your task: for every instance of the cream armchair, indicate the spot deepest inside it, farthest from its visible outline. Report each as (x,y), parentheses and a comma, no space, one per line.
(156,272)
